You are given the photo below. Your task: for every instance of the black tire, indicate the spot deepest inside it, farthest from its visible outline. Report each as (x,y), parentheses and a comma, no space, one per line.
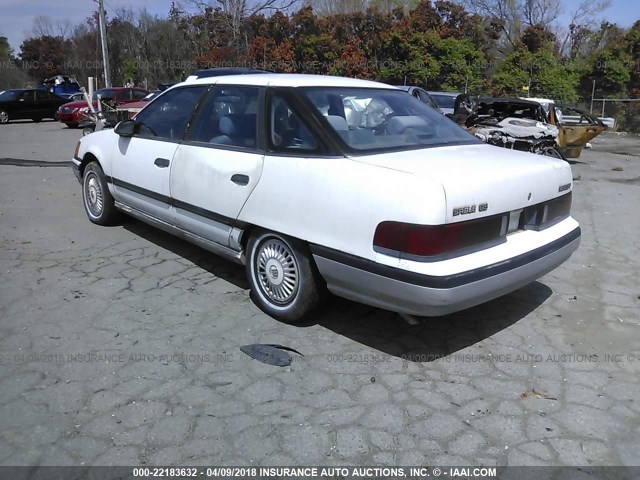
(71,125)
(286,296)
(87,130)
(96,197)
(37,119)
(4,116)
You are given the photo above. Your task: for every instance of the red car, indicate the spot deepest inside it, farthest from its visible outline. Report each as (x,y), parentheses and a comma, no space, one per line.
(72,113)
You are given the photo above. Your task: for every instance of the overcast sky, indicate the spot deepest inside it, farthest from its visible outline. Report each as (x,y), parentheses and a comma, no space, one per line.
(16,17)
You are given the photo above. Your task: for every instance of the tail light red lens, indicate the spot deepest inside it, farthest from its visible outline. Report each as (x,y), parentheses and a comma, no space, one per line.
(439,240)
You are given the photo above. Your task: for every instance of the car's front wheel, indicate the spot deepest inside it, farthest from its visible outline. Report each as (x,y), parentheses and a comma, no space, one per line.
(283,278)
(4,116)
(97,199)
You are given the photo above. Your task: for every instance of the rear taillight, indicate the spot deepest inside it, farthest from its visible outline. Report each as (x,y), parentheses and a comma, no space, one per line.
(439,240)
(546,214)
(454,239)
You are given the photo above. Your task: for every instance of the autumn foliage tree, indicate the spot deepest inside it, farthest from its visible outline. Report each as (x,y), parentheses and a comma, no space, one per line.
(481,46)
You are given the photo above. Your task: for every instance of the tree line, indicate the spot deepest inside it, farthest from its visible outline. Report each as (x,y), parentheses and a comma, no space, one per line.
(497,47)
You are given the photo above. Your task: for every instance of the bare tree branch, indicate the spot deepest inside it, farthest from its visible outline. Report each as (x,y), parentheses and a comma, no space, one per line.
(585,15)
(43,26)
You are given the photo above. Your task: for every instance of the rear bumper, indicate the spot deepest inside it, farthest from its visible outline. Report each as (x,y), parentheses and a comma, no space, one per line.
(424,295)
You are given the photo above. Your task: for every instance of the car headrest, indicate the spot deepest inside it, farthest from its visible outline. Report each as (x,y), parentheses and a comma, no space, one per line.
(338,123)
(227,126)
(399,124)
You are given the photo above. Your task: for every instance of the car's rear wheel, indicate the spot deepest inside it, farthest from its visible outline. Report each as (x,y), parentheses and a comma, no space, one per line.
(71,125)
(98,202)
(4,116)
(284,281)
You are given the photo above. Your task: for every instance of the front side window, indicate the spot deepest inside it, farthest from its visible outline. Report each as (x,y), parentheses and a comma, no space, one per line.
(8,95)
(167,117)
(228,118)
(376,119)
(425,98)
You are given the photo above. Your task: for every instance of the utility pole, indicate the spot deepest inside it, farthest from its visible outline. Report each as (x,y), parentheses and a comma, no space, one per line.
(593,93)
(103,40)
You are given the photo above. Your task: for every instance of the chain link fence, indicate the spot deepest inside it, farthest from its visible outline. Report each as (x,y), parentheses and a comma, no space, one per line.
(625,111)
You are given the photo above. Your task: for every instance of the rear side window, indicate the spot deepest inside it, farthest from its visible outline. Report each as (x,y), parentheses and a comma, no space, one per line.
(228,118)
(167,117)
(27,96)
(287,132)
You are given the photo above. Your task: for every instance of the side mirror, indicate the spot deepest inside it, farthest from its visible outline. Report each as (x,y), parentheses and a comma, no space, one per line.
(126,128)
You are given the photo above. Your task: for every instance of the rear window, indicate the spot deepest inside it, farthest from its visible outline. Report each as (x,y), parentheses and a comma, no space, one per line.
(372,119)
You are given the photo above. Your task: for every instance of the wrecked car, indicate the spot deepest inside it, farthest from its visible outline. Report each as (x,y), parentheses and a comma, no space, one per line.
(575,128)
(508,122)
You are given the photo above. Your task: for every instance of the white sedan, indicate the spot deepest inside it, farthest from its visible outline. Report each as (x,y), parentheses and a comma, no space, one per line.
(317,182)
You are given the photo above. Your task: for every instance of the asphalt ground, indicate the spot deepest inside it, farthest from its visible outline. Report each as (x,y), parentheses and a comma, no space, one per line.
(120,345)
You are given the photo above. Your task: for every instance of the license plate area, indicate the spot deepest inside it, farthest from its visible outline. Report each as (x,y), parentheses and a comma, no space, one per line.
(515,221)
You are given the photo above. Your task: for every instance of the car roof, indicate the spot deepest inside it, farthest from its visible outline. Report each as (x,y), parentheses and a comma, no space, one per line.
(407,88)
(221,71)
(287,80)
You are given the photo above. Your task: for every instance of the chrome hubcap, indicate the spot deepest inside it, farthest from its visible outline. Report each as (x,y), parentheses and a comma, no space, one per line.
(4,117)
(277,271)
(93,194)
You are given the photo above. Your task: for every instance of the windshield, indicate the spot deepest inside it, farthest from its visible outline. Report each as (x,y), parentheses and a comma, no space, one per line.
(371,119)
(444,101)
(8,95)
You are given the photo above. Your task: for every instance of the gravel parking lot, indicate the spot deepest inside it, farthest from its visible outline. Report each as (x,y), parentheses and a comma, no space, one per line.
(120,346)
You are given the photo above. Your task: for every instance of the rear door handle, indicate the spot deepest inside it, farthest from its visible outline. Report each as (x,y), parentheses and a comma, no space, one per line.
(240,179)
(161,162)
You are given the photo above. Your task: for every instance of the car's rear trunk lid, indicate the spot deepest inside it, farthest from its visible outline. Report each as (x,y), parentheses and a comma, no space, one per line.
(482,180)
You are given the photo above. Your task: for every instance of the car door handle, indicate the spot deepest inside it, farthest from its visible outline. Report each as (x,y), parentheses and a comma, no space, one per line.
(161,162)
(240,179)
